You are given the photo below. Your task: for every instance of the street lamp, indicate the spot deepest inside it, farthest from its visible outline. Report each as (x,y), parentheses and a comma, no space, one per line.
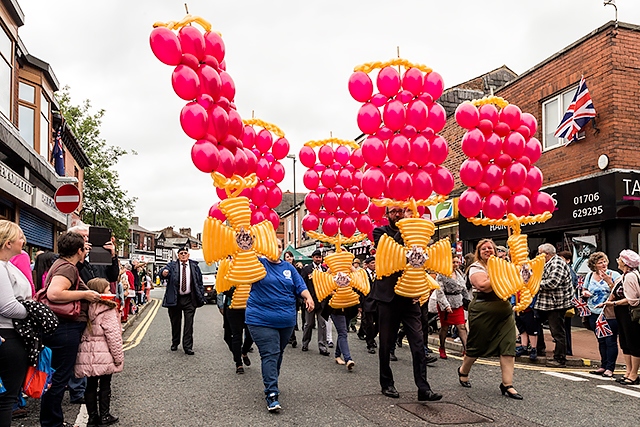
(295,208)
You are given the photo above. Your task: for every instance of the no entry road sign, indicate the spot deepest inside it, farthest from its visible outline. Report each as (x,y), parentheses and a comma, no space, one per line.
(67,198)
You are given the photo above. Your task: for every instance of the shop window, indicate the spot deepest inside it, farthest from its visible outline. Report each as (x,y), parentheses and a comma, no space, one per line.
(552,112)
(6,72)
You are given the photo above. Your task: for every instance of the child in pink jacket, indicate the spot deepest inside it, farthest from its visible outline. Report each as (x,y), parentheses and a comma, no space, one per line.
(100,355)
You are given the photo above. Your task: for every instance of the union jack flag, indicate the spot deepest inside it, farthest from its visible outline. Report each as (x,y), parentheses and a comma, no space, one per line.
(602,327)
(578,114)
(58,153)
(581,306)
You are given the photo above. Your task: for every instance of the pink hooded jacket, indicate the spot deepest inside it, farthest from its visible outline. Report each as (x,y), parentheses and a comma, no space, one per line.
(100,351)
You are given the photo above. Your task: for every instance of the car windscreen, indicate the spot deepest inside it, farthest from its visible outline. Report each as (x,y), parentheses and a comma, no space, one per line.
(207,269)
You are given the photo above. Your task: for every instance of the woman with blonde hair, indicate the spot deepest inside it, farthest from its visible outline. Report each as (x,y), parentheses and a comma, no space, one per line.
(491,324)
(14,288)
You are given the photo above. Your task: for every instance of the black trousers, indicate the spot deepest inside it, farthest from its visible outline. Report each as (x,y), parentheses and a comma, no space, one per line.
(556,327)
(390,314)
(235,318)
(369,324)
(175,316)
(92,396)
(13,368)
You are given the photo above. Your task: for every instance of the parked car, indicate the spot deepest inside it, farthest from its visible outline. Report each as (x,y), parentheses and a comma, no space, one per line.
(208,275)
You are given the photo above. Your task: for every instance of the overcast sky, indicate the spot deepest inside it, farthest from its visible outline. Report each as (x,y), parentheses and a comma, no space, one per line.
(290,61)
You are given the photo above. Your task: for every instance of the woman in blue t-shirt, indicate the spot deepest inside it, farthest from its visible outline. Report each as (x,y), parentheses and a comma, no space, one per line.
(597,288)
(271,317)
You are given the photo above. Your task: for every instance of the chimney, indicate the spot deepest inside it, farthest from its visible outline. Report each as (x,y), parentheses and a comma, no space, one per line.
(134,220)
(185,231)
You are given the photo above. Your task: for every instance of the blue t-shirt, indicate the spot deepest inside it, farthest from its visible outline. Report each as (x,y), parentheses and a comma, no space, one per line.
(599,290)
(272,301)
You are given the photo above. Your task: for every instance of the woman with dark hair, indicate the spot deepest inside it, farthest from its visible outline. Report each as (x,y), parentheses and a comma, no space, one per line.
(491,324)
(64,284)
(43,263)
(450,305)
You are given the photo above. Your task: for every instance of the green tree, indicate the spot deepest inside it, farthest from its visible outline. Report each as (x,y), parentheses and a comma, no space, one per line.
(104,202)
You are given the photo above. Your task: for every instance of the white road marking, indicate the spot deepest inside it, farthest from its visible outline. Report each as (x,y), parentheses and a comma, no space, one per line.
(564,376)
(593,376)
(621,389)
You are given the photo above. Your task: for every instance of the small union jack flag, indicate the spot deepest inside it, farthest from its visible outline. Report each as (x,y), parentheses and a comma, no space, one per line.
(579,113)
(581,306)
(602,327)
(580,285)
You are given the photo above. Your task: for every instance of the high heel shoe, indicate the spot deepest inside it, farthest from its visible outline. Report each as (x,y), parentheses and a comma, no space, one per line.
(466,383)
(505,390)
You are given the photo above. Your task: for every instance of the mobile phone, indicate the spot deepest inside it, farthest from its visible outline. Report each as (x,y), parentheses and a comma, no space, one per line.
(98,236)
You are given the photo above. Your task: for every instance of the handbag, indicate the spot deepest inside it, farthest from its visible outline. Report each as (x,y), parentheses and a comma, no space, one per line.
(69,310)
(634,312)
(38,379)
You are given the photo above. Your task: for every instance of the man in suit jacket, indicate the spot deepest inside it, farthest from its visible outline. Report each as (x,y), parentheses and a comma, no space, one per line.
(369,321)
(393,309)
(311,316)
(184,293)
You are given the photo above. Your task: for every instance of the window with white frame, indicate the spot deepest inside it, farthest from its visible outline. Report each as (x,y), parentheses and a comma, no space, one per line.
(27,113)
(45,133)
(6,73)
(552,112)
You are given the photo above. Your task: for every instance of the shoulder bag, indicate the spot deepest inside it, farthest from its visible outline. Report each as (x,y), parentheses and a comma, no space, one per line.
(69,310)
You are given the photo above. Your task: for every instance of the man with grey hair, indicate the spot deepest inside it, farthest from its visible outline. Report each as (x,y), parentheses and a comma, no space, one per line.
(554,298)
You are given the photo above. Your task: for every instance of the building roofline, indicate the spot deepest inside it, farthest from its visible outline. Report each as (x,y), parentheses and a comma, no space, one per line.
(38,63)
(457,86)
(15,12)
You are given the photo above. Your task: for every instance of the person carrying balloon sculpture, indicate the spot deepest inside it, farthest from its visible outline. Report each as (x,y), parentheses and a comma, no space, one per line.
(316,314)
(393,309)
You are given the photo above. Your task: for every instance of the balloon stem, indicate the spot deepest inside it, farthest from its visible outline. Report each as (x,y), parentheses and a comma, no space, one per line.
(186,8)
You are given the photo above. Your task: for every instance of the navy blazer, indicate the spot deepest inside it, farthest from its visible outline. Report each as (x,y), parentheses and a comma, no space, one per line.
(383,288)
(173,284)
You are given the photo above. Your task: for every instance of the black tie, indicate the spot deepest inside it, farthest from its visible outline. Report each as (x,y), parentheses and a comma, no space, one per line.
(183,285)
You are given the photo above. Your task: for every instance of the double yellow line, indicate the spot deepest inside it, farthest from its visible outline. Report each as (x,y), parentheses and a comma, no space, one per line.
(136,336)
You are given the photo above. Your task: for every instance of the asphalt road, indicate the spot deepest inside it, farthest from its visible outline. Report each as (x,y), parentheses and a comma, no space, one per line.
(163,388)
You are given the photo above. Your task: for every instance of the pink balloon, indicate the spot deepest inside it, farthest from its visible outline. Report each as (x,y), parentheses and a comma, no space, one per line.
(265,209)
(494,207)
(311,179)
(280,148)
(228,88)
(389,168)
(218,123)
(194,119)
(467,115)
(210,83)
(513,145)
(534,179)
(413,81)
(529,121)
(376,213)
(264,141)
(348,227)
(361,202)
(524,160)
(277,172)
(492,176)
(273,217)
(205,156)
(511,115)
(235,124)
(328,178)
(259,196)
(322,214)
(470,203)
(347,202)
(263,168)
(439,150)
(345,178)
(374,151)
(404,96)
(420,149)
(394,115)
(330,226)
(214,45)
(417,113)
(165,46)
(483,189)
(409,131)
(310,222)
(379,100)
(388,81)
(489,112)
(336,167)
(471,172)
(515,176)
(541,203)
(252,161)
(486,127)
(422,185)
(331,202)
(274,198)
(364,224)
(433,85)
(373,182)
(313,202)
(533,150)
(227,164)
(483,158)
(473,143)
(342,155)
(400,185)
(369,119)
(211,61)
(185,82)
(206,101)
(519,205)
(307,156)
(249,137)
(437,117)
(357,178)
(325,155)
(215,212)
(501,129)
(360,86)
(257,217)
(399,150)
(191,41)
(442,181)
(222,194)
(230,142)
(524,131)
(241,163)
(503,160)
(493,146)
(224,103)
(503,191)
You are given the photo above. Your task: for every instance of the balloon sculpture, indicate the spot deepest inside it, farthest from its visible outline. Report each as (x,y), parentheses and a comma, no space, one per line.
(403,154)
(220,149)
(505,185)
(337,201)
